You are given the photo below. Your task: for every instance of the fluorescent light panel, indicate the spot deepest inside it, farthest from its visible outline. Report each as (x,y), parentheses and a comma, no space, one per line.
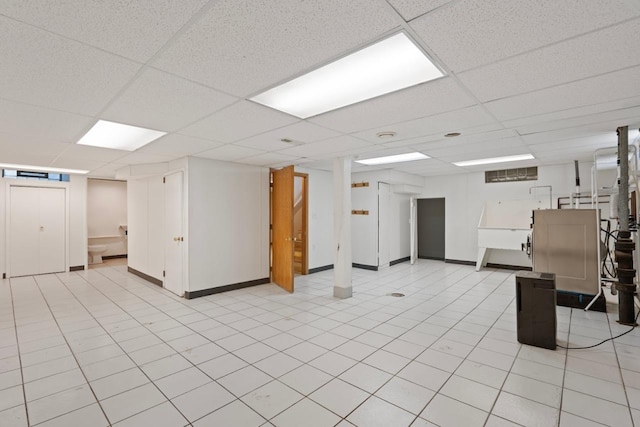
(41,168)
(495,160)
(393,159)
(118,136)
(392,64)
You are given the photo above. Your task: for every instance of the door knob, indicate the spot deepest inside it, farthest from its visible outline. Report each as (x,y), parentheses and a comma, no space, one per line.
(176,239)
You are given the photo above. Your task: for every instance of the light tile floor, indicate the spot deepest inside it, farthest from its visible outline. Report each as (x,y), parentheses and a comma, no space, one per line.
(103,347)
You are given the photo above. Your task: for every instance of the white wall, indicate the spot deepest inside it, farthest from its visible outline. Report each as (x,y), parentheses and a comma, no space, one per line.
(145,216)
(466,194)
(320,211)
(106,212)
(364,228)
(228,223)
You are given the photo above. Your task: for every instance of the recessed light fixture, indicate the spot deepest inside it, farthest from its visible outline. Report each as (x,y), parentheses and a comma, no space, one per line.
(393,159)
(452,134)
(386,66)
(118,136)
(41,168)
(495,160)
(386,134)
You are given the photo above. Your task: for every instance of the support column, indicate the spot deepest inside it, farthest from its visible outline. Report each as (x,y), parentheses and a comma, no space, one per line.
(624,245)
(342,228)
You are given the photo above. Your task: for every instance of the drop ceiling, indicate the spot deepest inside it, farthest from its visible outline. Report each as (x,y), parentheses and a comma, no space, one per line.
(549,78)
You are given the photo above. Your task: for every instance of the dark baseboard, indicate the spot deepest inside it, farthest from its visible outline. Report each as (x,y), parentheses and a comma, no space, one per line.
(76,268)
(459,261)
(145,276)
(576,300)
(319,269)
(226,288)
(115,256)
(365,267)
(400,260)
(432,257)
(509,267)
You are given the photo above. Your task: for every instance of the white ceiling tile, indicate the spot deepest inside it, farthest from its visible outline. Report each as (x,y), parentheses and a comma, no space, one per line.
(161,101)
(609,87)
(590,55)
(470,33)
(463,155)
(556,118)
(229,153)
(410,9)
(44,124)
(269,159)
(51,71)
(237,122)
(453,121)
(585,143)
(86,152)
(579,132)
(478,150)
(246,46)
(300,133)
(424,100)
(31,158)
(340,144)
(178,145)
(106,171)
(83,164)
(620,117)
(135,29)
(12,145)
(139,158)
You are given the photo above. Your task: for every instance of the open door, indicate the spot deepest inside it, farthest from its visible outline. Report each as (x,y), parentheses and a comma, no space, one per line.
(413,226)
(282,228)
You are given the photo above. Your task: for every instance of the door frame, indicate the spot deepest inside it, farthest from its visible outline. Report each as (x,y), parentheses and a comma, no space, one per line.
(305,220)
(185,231)
(444,231)
(7,223)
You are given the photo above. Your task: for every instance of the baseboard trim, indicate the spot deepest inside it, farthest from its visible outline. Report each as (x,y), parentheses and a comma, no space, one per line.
(509,267)
(431,257)
(459,261)
(400,260)
(76,268)
(365,267)
(319,269)
(115,256)
(145,276)
(226,288)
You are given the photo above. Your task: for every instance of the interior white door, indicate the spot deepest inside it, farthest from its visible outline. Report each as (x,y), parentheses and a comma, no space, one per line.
(384,202)
(173,234)
(52,230)
(37,230)
(24,231)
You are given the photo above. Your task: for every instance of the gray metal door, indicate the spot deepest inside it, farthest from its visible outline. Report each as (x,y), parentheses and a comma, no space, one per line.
(431,228)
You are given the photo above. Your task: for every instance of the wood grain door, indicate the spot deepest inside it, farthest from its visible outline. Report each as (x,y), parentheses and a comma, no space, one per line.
(282,228)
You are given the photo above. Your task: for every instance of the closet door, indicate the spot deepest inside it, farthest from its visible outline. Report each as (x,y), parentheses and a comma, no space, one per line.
(37,231)
(25,231)
(52,230)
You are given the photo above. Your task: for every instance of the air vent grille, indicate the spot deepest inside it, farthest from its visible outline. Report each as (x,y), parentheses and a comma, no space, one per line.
(511,175)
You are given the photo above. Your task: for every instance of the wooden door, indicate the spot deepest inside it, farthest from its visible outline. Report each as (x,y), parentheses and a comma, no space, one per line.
(173,234)
(282,228)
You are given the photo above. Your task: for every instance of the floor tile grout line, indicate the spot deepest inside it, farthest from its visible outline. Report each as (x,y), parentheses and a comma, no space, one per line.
(139,366)
(37,285)
(24,393)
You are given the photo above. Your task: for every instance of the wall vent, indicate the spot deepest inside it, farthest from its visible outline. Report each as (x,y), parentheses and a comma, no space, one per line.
(511,175)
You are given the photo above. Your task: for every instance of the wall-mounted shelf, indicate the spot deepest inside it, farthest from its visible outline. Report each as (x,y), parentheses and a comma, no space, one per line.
(359,184)
(361,212)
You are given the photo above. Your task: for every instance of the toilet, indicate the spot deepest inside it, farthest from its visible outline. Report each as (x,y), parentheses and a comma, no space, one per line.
(95,253)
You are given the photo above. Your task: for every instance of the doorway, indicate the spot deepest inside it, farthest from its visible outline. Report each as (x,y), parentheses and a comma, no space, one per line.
(300,223)
(431,228)
(174,233)
(37,230)
(384,211)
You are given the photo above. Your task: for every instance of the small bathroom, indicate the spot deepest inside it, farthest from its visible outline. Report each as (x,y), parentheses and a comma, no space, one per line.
(106,222)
